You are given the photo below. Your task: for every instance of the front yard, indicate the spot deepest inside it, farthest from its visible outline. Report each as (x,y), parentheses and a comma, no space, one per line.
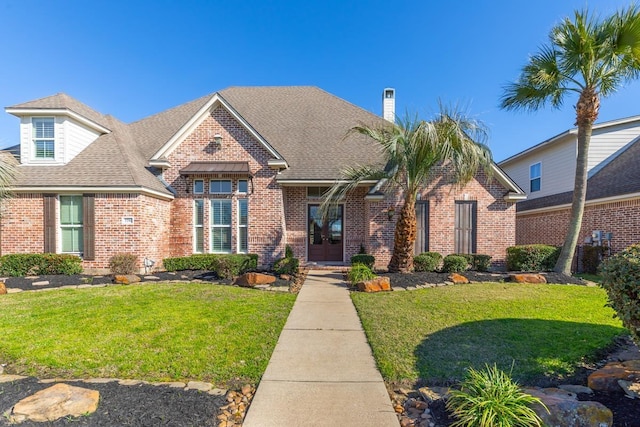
(155,332)
(542,332)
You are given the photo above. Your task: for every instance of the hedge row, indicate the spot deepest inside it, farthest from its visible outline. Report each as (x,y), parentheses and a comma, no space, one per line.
(18,265)
(453,263)
(532,257)
(225,266)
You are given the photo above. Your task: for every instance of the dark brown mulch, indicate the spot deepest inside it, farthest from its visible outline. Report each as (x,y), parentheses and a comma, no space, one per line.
(420,278)
(140,405)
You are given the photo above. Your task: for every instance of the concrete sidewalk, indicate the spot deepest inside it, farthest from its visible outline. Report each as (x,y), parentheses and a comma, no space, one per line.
(322,372)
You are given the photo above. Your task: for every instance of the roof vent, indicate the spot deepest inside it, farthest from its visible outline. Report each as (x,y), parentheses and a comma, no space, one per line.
(389,104)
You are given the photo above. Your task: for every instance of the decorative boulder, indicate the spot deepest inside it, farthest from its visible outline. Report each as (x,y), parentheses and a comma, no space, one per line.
(606,379)
(566,410)
(375,285)
(458,279)
(249,280)
(57,401)
(126,279)
(527,278)
(3,288)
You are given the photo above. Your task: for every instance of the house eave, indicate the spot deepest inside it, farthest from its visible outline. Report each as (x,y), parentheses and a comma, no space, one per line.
(22,112)
(69,189)
(593,202)
(318,182)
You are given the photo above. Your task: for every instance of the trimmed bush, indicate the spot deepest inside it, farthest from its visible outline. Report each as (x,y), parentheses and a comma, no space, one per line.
(123,264)
(288,252)
(231,264)
(491,398)
(368,260)
(481,262)
(621,280)
(18,265)
(455,264)
(360,273)
(286,266)
(592,257)
(427,261)
(532,257)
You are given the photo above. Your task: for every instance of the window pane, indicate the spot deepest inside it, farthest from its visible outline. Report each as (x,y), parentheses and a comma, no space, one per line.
(242,239)
(535,185)
(221,212)
(220,186)
(242,186)
(198,186)
(221,239)
(199,212)
(242,212)
(535,171)
(72,239)
(43,127)
(199,239)
(71,210)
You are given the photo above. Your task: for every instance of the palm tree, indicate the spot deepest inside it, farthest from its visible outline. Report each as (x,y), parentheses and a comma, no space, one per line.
(411,150)
(589,58)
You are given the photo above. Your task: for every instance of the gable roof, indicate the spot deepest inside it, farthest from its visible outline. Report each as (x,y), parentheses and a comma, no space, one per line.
(61,101)
(619,177)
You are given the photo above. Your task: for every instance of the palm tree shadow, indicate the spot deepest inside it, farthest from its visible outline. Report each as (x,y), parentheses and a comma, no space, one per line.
(536,352)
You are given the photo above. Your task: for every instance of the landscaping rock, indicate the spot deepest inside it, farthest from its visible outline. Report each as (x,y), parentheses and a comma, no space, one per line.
(631,388)
(576,389)
(10,378)
(566,410)
(57,401)
(527,278)
(375,285)
(458,279)
(249,280)
(126,279)
(199,385)
(3,288)
(606,379)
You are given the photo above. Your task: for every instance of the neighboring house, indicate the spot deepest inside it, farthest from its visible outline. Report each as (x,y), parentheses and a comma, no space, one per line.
(547,172)
(240,170)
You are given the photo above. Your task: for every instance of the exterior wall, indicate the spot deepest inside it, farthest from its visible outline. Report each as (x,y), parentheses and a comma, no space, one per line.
(22,224)
(558,165)
(70,138)
(620,218)
(266,229)
(22,227)
(606,142)
(495,219)
(296,218)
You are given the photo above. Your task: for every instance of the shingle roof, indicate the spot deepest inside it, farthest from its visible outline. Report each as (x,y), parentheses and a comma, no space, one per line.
(620,176)
(308,127)
(64,101)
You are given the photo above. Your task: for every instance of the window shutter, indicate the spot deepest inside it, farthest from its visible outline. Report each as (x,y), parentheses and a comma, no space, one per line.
(465,227)
(422,221)
(88,225)
(49,211)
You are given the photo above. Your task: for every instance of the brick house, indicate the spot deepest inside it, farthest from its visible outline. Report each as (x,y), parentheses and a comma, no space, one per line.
(240,170)
(546,171)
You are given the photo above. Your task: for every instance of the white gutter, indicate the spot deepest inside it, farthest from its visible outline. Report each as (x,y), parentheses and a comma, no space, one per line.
(594,202)
(84,189)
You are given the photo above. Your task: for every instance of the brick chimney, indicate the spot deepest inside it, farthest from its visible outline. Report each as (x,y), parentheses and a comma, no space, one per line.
(389,104)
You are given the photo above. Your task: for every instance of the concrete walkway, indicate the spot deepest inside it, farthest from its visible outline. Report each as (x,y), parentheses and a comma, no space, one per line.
(322,372)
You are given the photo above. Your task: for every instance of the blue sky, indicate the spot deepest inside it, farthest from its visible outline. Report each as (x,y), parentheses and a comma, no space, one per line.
(132,59)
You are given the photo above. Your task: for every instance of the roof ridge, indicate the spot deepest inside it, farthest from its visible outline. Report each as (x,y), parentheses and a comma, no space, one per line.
(118,127)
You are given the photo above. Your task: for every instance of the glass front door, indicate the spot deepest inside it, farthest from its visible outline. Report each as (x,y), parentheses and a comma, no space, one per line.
(325,234)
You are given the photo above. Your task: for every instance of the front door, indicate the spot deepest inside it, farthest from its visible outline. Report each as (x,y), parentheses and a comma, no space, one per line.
(325,235)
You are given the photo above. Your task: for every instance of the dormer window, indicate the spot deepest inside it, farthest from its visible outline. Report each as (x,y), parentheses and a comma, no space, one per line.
(43,138)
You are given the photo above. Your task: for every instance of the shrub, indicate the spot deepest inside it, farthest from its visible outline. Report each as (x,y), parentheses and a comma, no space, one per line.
(123,264)
(286,266)
(224,265)
(288,252)
(454,264)
(532,257)
(427,261)
(481,262)
(362,249)
(621,280)
(368,260)
(491,398)
(592,257)
(360,273)
(27,264)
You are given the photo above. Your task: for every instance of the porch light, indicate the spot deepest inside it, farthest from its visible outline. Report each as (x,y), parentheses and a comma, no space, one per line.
(391,212)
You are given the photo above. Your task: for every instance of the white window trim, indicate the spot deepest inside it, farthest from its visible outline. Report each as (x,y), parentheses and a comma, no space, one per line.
(60,226)
(221,180)
(212,226)
(196,226)
(33,157)
(194,186)
(239,226)
(538,177)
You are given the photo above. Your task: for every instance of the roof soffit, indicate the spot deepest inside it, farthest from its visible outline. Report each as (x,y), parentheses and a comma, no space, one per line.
(216,101)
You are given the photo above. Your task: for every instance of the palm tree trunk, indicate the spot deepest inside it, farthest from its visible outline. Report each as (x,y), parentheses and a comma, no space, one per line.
(405,237)
(586,114)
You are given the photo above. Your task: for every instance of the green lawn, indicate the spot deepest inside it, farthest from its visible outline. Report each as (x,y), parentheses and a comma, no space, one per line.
(156,332)
(434,334)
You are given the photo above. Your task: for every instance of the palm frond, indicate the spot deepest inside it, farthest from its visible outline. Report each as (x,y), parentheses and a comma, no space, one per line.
(8,174)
